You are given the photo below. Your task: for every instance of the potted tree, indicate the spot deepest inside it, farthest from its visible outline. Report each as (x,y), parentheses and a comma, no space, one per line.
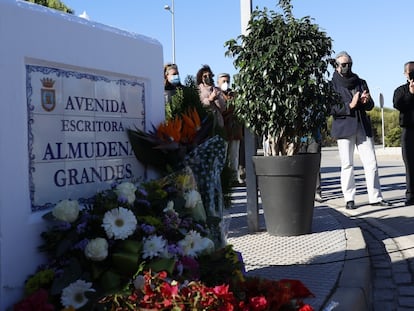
(283,93)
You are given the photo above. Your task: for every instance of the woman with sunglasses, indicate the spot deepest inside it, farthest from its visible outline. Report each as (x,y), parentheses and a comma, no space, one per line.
(352,128)
(211,96)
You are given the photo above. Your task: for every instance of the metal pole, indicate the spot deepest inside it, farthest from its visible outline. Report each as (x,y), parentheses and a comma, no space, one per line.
(172,11)
(250,148)
(383,128)
(173,30)
(381,100)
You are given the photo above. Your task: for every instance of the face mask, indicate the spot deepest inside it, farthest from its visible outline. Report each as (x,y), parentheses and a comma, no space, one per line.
(224,87)
(175,80)
(207,80)
(345,71)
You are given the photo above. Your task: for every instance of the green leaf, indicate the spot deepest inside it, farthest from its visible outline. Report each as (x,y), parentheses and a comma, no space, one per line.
(110,280)
(131,246)
(125,263)
(162,264)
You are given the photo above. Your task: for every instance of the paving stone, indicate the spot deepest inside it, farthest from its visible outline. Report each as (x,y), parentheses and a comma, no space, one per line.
(381,282)
(316,259)
(384,294)
(406,301)
(406,290)
(402,278)
(386,272)
(400,267)
(384,306)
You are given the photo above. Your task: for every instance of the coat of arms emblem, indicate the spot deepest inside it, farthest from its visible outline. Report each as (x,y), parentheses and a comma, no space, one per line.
(48,94)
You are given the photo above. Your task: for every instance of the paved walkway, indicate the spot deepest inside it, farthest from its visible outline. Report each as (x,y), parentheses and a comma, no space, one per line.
(363,259)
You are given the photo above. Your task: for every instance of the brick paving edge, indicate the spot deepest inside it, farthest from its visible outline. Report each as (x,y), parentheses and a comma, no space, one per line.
(353,290)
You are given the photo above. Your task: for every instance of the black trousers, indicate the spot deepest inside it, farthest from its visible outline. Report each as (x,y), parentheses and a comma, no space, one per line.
(407,147)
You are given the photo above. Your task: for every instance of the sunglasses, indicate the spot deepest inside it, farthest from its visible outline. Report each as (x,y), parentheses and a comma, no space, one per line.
(343,65)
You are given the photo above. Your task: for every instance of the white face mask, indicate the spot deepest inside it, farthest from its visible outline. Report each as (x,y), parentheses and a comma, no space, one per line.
(224,86)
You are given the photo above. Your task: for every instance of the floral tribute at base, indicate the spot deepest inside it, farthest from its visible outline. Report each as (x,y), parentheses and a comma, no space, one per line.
(153,245)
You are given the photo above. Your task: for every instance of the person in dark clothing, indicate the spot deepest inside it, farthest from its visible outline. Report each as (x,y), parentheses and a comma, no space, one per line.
(403,101)
(171,81)
(352,128)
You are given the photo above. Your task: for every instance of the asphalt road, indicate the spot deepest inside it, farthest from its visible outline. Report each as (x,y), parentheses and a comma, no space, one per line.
(388,231)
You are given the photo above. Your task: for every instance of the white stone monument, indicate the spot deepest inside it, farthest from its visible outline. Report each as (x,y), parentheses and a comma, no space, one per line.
(69,89)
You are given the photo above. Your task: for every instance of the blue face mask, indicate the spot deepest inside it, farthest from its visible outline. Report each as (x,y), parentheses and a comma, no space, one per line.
(175,80)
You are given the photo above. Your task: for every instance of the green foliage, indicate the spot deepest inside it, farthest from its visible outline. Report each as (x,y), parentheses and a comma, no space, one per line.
(392,128)
(54,4)
(184,98)
(393,137)
(375,116)
(282,87)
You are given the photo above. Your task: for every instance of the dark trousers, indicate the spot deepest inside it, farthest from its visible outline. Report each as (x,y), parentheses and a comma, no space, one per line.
(407,147)
(312,146)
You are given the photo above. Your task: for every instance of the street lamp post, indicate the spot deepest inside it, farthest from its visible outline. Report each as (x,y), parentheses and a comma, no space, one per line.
(381,100)
(172,11)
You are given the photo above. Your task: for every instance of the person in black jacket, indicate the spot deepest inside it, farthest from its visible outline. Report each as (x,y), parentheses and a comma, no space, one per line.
(352,128)
(404,102)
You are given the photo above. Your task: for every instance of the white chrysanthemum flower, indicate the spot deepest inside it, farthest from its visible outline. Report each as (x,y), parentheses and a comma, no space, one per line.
(74,294)
(169,207)
(126,191)
(154,246)
(97,249)
(119,223)
(66,210)
(139,282)
(207,245)
(191,244)
(194,202)
(192,198)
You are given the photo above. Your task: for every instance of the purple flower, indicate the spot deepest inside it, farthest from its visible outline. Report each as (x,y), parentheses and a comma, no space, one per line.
(148,229)
(122,199)
(81,227)
(81,244)
(171,220)
(142,192)
(174,249)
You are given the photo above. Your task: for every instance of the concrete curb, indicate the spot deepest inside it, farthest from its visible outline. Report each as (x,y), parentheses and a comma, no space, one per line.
(353,291)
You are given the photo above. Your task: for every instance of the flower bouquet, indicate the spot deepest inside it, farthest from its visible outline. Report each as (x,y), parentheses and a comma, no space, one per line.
(156,244)
(95,250)
(188,141)
(165,146)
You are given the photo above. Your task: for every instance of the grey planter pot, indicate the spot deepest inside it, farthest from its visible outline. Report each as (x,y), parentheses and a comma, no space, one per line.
(287,189)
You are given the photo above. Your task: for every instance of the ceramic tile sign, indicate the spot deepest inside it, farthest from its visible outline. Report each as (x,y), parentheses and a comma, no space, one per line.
(77,124)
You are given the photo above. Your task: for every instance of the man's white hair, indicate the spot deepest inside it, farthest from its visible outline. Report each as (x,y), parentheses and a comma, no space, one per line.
(343,53)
